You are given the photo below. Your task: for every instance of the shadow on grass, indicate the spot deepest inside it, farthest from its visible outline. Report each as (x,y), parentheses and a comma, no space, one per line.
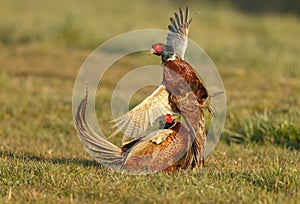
(31,157)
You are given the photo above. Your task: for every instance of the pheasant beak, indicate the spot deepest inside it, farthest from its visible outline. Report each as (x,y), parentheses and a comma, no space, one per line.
(174,117)
(152,51)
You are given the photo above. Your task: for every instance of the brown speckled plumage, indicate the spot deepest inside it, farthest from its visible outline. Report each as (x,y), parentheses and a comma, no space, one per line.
(161,150)
(165,156)
(187,95)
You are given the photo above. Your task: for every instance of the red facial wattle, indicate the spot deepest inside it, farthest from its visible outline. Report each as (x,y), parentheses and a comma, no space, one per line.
(168,118)
(158,48)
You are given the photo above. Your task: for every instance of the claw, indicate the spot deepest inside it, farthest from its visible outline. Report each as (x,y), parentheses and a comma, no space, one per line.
(211,111)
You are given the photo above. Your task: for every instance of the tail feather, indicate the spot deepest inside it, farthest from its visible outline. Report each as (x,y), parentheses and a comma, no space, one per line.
(99,148)
(195,155)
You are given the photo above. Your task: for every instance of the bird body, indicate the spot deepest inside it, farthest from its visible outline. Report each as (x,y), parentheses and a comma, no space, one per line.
(161,150)
(173,83)
(187,96)
(166,153)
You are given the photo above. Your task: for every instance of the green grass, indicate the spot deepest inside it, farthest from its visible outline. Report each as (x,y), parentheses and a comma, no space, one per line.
(255,175)
(41,158)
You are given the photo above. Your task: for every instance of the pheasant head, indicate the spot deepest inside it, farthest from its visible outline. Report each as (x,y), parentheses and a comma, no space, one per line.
(170,120)
(162,50)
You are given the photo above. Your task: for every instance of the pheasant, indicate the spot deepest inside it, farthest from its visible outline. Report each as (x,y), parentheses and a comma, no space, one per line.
(161,150)
(181,92)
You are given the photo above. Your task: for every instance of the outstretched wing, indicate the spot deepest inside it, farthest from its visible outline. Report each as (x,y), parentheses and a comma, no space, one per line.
(177,38)
(135,122)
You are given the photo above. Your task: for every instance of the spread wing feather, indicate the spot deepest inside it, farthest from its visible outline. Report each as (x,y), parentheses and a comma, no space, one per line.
(177,38)
(135,122)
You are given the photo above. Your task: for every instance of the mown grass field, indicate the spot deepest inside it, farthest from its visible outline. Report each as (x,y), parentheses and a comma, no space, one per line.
(44,43)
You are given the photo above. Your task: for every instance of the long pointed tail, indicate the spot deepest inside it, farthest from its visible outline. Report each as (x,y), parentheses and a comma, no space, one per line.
(99,148)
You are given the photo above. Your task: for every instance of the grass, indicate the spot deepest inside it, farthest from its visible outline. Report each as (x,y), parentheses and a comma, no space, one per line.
(227,178)
(41,158)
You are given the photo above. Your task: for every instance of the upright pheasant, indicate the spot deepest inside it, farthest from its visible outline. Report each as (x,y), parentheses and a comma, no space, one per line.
(181,91)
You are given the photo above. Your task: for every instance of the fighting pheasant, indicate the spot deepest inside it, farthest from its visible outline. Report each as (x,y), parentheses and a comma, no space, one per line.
(161,150)
(181,92)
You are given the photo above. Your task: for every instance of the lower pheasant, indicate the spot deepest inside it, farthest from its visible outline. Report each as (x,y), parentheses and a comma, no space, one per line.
(162,150)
